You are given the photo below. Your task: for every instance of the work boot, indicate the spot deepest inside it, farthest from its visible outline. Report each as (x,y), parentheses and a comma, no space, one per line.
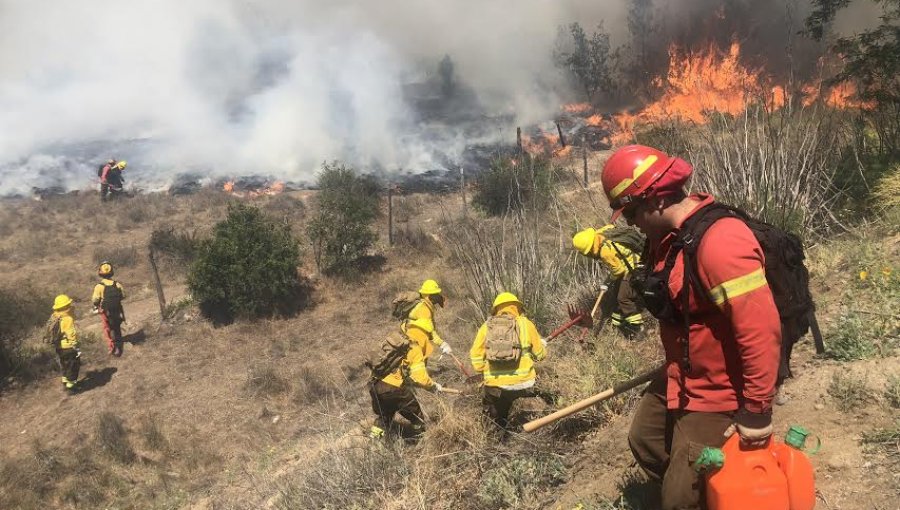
(376,432)
(117,350)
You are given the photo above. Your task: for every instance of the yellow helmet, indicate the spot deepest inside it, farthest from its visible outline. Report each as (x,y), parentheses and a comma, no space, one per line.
(105,269)
(584,240)
(505,298)
(61,302)
(121,165)
(430,287)
(423,324)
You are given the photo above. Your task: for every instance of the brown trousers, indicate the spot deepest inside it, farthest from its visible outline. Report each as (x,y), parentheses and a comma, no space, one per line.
(389,400)
(69,363)
(666,443)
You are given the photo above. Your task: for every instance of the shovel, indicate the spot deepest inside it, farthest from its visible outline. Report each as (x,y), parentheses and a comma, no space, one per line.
(599,397)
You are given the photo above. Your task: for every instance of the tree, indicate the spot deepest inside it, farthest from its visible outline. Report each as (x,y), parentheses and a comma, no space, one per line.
(445,71)
(644,62)
(587,58)
(871,57)
(341,228)
(248,269)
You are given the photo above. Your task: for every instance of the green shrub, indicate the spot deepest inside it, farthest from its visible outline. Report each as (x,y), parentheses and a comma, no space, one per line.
(341,227)
(513,185)
(248,269)
(512,481)
(848,391)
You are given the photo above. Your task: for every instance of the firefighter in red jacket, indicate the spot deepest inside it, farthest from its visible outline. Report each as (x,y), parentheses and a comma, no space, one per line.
(721,365)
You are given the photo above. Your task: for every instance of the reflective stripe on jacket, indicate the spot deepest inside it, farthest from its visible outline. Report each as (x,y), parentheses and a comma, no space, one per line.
(735,332)
(425,311)
(504,375)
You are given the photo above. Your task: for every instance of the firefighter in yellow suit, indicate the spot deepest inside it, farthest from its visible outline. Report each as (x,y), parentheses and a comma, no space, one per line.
(507,381)
(394,393)
(65,341)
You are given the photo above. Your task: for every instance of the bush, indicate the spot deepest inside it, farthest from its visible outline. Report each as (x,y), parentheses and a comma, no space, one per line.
(341,227)
(892,392)
(118,256)
(179,246)
(21,310)
(248,269)
(850,340)
(264,381)
(112,438)
(513,185)
(849,392)
(523,256)
(514,481)
(363,476)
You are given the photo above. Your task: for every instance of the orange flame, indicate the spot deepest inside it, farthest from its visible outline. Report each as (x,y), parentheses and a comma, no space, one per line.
(276,188)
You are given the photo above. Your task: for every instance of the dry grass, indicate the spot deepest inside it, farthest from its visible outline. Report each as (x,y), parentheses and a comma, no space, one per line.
(111,438)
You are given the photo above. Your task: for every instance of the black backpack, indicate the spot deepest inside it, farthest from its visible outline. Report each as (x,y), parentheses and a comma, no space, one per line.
(112,300)
(100,170)
(786,274)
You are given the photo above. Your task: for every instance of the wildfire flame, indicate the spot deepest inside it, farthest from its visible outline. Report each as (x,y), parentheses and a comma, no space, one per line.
(276,188)
(711,80)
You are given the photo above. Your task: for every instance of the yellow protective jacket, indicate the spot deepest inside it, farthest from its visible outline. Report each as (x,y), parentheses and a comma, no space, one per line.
(604,250)
(97,296)
(414,366)
(532,350)
(425,311)
(67,328)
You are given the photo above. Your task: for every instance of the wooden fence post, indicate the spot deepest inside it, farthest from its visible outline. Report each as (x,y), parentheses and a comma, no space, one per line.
(158,283)
(462,187)
(390,214)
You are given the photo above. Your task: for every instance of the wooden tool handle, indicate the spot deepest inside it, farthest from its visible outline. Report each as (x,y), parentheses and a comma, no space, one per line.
(597,303)
(451,391)
(588,402)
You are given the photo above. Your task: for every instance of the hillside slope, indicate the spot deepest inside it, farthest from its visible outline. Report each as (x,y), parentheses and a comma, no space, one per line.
(273,414)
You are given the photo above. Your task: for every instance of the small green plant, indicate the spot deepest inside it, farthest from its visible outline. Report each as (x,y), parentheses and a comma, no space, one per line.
(850,340)
(885,441)
(340,229)
(512,481)
(529,182)
(178,306)
(248,270)
(848,391)
(892,391)
(112,438)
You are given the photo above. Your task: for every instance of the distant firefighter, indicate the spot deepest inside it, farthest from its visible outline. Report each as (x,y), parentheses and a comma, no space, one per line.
(112,182)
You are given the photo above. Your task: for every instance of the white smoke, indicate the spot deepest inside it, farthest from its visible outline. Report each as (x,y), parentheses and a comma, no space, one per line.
(224,87)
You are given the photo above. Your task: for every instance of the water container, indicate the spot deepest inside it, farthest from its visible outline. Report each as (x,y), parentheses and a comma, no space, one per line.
(797,469)
(749,479)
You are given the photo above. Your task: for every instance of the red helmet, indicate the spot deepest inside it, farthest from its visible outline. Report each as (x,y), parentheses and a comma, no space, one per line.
(637,171)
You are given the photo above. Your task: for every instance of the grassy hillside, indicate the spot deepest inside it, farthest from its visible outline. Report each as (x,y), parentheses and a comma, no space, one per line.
(274,414)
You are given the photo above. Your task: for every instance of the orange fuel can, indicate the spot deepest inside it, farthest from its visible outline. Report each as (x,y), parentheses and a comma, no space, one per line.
(778,476)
